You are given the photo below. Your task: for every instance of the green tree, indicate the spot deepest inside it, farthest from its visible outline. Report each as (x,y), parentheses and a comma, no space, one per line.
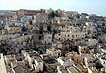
(53,13)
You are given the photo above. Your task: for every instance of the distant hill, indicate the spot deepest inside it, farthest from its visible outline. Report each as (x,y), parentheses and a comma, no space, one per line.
(6,10)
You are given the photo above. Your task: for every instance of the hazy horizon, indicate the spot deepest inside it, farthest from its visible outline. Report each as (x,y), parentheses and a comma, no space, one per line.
(82,6)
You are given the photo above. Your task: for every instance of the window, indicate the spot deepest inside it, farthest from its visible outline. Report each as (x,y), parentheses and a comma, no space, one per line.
(59,34)
(77,59)
(65,35)
(83,35)
(49,28)
(62,26)
(72,36)
(49,37)
(40,37)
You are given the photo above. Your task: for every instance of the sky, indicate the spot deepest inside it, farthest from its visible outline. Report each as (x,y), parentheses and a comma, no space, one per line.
(83,6)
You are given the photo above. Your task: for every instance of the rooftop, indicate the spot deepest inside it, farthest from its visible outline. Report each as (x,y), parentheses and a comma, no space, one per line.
(73,70)
(19,69)
(62,69)
(37,58)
